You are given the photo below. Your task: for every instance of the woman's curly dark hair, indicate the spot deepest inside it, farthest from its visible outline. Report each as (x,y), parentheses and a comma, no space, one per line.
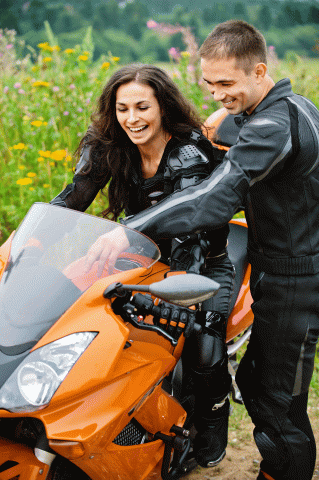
(111,149)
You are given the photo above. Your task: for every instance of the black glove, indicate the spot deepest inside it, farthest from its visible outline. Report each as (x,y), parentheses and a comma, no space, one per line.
(189,253)
(176,320)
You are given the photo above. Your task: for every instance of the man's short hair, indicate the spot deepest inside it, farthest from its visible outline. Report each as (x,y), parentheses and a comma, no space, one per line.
(235,39)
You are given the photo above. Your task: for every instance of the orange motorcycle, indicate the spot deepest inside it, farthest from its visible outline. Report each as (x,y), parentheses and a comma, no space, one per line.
(91,381)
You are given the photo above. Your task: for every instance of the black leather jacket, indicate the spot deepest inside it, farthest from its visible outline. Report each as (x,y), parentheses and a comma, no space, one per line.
(142,193)
(273,169)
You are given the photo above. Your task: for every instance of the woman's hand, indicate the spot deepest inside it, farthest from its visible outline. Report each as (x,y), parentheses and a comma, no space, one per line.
(107,248)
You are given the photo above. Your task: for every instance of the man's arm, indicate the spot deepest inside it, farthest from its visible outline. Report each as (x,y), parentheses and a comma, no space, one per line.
(264,145)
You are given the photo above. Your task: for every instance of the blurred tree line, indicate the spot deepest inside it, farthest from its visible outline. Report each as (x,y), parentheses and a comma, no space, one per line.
(120,26)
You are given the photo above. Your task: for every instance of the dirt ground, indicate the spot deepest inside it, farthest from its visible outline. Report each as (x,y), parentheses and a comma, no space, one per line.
(242,458)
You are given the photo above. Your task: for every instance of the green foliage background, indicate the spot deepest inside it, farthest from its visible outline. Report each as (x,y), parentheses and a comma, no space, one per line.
(121,25)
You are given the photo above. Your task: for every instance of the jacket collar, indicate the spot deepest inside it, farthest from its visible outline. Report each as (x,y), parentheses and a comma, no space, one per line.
(279,90)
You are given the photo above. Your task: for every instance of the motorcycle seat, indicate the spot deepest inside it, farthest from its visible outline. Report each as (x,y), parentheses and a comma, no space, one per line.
(237,251)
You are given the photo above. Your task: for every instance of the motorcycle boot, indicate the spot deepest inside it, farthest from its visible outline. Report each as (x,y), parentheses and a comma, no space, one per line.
(212,384)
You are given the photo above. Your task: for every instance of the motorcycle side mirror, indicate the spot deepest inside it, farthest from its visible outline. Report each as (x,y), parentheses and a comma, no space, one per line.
(183,290)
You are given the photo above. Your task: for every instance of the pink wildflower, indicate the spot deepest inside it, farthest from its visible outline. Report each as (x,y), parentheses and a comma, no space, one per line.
(72,86)
(55,89)
(17,85)
(174,53)
(204,106)
(151,24)
(66,113)
(5,89)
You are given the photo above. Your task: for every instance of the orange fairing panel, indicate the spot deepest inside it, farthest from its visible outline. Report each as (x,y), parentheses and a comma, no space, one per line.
(23,463)
(160,411)
(135,462)
(99,413)
(242,316)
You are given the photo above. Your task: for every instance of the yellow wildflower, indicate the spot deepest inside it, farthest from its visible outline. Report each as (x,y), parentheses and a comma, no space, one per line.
(40,159)
(32,174)
(58,155)
(39,83)
(185,54)
(31,189)
(69,50)
(43,45)
(52,164)
(86,53)
(21,167)
(56,48)
(115,59)
(83,58)
(105,65)
(35,68)
(19,146)
(68,158)
(24,181)
(46,185)
(45,153)
(47,59)
(26,118)
(36,123)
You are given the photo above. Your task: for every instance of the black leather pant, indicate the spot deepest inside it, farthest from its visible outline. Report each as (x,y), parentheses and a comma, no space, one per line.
(205,354)
(275,372)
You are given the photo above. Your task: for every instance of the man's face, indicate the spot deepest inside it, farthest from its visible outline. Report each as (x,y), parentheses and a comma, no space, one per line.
(230,85)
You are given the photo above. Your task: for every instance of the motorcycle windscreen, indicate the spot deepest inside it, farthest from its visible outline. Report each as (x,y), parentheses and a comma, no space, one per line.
(47,270)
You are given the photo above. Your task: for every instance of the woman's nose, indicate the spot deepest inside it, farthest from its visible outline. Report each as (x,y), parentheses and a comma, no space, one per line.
(132,116)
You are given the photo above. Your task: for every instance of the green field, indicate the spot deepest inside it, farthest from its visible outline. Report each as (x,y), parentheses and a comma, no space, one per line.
(46,102)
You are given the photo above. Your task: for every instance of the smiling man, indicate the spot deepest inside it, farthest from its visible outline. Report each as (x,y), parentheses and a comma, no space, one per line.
(273,169)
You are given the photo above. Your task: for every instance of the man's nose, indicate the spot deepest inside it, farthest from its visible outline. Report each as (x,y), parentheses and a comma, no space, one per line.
(218,95)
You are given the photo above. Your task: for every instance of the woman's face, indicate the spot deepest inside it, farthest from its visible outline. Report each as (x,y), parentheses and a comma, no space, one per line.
(138,112)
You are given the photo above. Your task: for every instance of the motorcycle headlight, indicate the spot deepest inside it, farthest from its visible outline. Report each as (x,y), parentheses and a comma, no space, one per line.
(35,381)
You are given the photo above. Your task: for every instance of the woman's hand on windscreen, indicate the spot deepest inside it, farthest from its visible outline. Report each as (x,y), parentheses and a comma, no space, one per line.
(106,249)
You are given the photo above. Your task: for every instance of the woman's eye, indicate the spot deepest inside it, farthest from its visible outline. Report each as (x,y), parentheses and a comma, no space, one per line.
(144,107)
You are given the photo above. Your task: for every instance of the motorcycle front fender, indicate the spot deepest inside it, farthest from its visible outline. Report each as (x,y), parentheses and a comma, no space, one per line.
(19,461)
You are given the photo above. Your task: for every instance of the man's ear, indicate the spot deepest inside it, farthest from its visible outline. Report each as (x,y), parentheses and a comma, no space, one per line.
(260,71)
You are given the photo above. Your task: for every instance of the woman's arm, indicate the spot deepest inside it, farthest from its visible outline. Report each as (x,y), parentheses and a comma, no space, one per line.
(79,194)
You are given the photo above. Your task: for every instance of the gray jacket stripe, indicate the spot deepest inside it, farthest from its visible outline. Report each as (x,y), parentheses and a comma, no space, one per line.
(315,130)
(180,200)
(284,152)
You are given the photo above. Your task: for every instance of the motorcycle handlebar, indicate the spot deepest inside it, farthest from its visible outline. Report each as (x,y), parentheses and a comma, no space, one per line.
(170,321)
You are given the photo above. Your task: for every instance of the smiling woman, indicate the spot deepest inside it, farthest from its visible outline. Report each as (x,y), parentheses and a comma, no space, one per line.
(145,141)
